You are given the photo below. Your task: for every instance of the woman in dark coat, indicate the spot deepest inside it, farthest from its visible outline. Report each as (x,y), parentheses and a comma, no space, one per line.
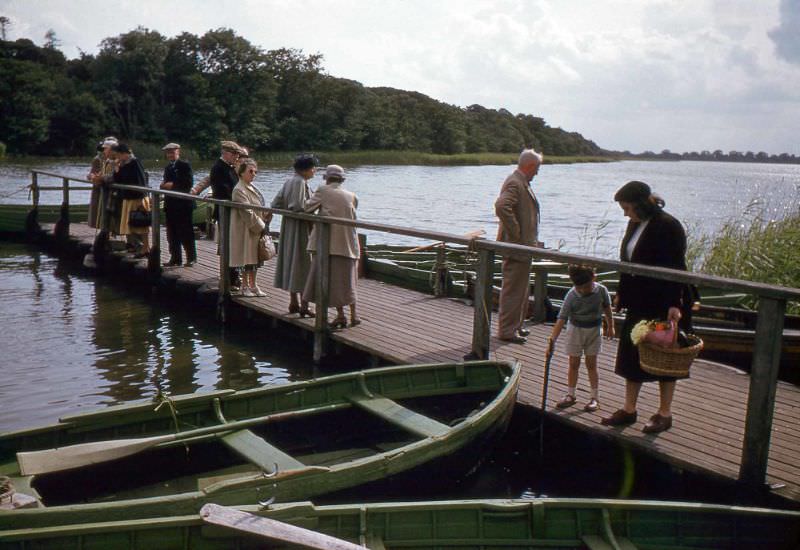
(654,238)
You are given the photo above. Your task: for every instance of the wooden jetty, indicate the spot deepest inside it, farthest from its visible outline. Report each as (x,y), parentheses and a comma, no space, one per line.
(728,424)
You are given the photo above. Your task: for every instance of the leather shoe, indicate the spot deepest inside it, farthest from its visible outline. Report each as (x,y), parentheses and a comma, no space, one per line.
(190,263)
(657,424)
(514,339)
(172,263)
(620,418)
(524,332)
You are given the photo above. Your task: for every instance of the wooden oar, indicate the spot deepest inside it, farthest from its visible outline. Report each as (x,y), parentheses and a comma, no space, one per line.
(86,454)
(471,235)
(272,529)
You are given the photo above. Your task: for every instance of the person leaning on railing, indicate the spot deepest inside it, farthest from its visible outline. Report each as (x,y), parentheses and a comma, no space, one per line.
(130,171)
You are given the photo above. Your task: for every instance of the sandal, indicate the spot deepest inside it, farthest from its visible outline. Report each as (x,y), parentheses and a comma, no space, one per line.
(355,322)
(568,401)
(339,322)
(306,313)
(294,308)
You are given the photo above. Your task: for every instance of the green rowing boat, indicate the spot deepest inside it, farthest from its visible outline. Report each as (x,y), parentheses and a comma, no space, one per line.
(287,443)
(13,217)
(593,524)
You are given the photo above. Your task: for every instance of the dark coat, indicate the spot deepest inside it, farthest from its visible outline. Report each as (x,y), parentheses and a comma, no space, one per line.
(131,173)
(662,244)
(182,178)
(223,179)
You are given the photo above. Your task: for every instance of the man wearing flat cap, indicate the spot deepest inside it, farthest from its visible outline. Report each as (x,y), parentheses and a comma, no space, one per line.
(223,179)
(178,176)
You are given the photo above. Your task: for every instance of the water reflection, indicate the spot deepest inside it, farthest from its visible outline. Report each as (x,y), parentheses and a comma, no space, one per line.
(69,342)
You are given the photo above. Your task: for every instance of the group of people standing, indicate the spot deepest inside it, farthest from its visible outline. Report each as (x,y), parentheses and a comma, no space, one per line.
(653,237)
(232,178)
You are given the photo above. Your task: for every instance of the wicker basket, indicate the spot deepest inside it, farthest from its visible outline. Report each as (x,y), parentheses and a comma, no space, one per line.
(661,361)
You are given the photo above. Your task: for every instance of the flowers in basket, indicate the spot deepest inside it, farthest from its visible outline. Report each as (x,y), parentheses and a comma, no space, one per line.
(660,333)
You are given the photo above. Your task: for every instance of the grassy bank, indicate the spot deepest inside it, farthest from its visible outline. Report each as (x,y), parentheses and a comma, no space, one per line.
(355,158)
(756,248)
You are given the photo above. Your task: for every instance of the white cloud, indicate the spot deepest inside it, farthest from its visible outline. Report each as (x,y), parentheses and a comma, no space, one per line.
(631,75)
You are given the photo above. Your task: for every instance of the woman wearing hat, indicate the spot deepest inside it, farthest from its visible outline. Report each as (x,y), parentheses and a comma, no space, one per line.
(294,262)
(102,164)
(129,171)
(331,200)
(247,226)
(654,238)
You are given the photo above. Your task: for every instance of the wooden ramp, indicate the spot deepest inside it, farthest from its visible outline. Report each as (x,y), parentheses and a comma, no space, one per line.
(403,326)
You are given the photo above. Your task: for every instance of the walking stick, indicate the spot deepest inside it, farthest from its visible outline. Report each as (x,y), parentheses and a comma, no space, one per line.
(548,355)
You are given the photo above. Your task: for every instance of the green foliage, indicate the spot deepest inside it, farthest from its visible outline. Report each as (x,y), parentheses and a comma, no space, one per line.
(198,90)
(759,249)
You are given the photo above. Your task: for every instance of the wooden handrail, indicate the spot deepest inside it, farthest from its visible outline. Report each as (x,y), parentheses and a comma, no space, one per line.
(761,396)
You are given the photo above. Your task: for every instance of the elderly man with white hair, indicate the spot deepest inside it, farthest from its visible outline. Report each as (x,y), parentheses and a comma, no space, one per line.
(518,211)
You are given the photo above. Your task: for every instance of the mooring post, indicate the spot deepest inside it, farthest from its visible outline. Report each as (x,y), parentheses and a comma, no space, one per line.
(223,230)
(154,258)
(61,229)
(209,221)
(761,397)
(322,289)
(482,320)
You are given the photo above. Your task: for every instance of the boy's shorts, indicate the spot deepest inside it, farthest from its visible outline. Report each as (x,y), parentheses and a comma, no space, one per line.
(586,341)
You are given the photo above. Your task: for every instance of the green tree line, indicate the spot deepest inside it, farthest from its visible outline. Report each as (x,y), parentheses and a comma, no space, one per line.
(197,90)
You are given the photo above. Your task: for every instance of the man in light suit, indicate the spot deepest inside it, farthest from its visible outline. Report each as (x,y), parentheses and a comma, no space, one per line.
(518,211)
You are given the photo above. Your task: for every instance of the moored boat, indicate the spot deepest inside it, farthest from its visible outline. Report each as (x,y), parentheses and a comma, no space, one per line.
(592,524)
(285,443)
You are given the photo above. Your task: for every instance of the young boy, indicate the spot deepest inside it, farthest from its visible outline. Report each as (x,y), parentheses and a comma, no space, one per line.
(584,307)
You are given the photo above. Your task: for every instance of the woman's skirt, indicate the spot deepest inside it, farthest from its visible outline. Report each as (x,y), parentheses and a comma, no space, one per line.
(627,364)
(128,206)
(344,275)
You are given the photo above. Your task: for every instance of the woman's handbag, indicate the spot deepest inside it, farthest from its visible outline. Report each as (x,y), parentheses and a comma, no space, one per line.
(266,249)
(140,218)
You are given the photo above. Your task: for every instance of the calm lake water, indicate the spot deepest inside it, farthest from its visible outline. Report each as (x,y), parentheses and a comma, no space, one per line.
(71,342)
(578,211)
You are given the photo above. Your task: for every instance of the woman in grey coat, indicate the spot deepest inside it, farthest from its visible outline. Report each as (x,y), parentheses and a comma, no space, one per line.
(294,261)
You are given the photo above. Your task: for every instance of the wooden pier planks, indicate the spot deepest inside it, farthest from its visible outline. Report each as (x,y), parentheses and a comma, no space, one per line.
(403,326)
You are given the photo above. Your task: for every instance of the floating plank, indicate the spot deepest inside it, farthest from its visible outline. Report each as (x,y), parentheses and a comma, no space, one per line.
(259,452)
(399,415)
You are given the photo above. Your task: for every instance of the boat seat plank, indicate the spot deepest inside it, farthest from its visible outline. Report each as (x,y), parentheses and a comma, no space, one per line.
(259,452)
(399,415)
(596,542)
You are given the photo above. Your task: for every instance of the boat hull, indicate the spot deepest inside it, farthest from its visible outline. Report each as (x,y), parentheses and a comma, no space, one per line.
(440,385)
(528,524)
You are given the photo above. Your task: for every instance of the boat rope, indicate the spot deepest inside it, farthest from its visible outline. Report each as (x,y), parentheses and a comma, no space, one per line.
(6,489)
(23,188)
(162,399)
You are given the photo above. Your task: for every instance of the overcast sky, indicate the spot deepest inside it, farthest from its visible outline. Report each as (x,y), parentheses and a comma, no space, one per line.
(629,74)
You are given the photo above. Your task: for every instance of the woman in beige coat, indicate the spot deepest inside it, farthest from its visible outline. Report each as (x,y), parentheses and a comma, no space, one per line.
(247,227)
(331,200)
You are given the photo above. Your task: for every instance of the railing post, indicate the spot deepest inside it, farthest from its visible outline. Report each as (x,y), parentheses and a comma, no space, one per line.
(482,321)
(761,397)
(32,220)
(362,259)
(224,261)
(154,259)
(322,289)
(62,225)
(440,272)
(539,294)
